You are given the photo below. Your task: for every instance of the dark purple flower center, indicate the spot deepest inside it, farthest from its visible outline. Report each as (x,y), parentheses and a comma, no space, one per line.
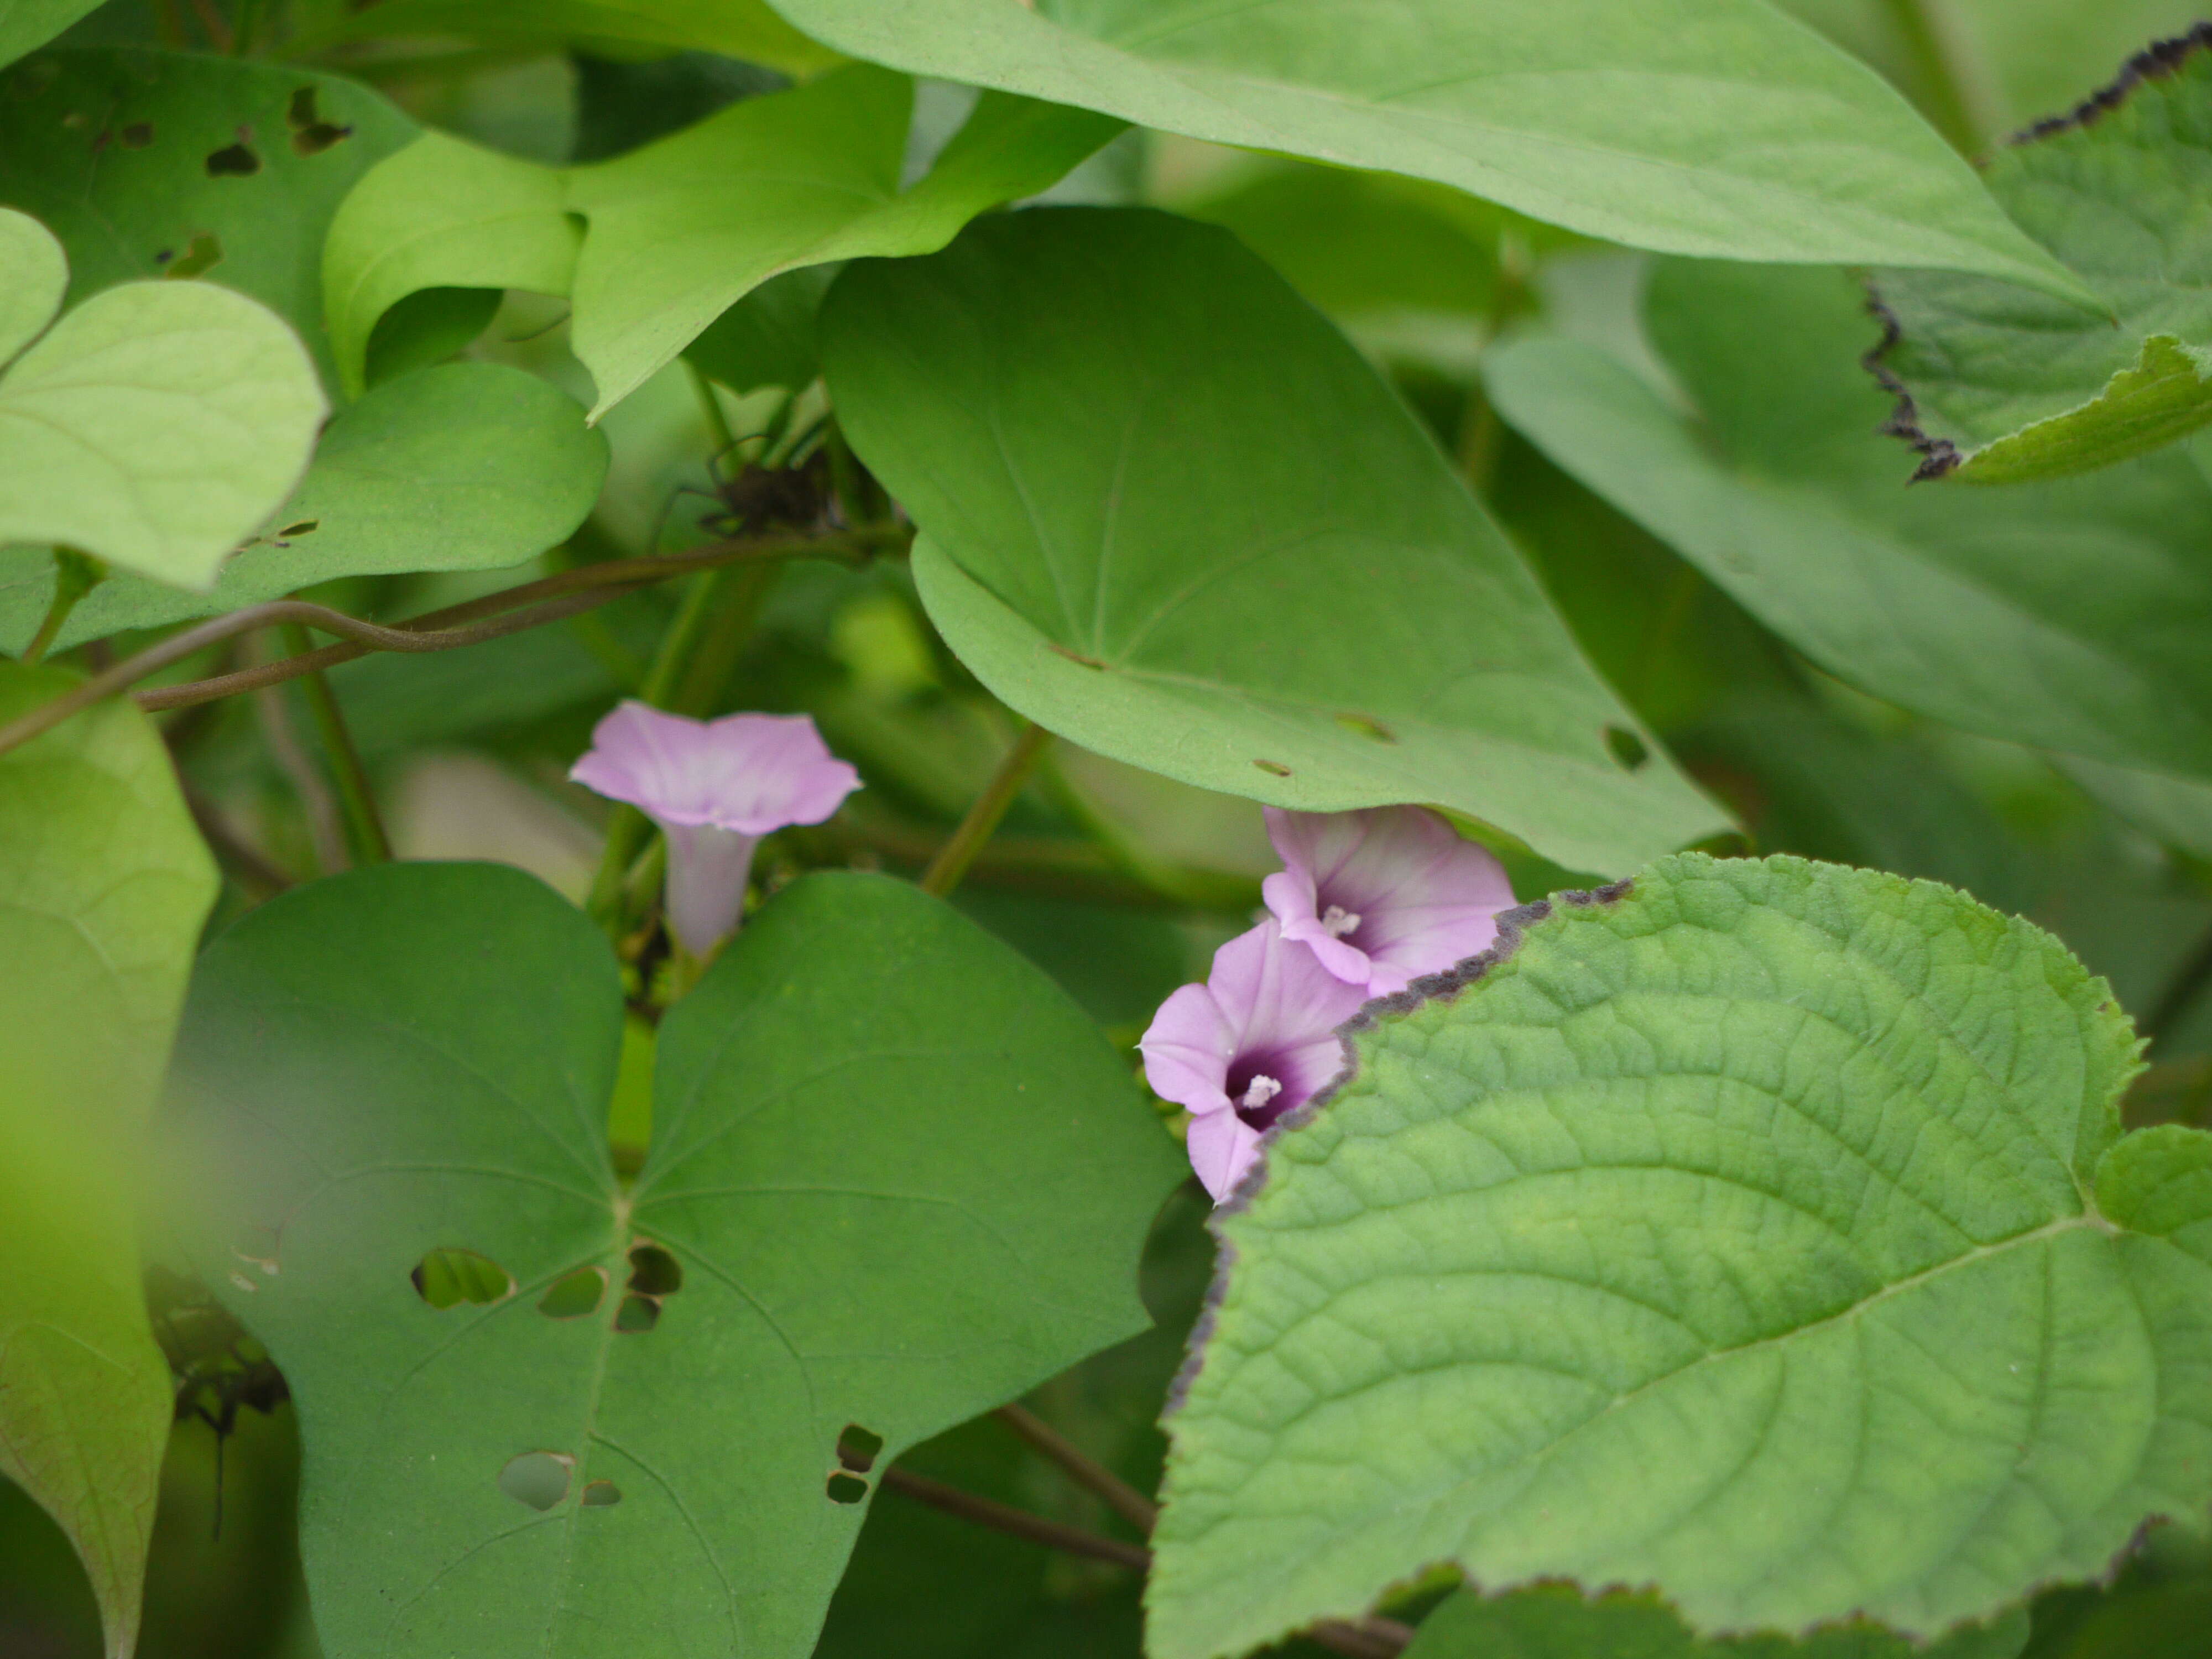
(1261,1087)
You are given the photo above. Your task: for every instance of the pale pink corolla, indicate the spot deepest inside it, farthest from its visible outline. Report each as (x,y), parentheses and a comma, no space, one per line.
(1384,896)
(1256,1040)
(714,787)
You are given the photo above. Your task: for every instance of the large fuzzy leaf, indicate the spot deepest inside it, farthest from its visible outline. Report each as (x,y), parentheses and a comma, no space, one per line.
(895,1178)
(1761,1232)
(146,163)
(1697,126)
(2004,385)
(467,467)
(1556,1622)
(745,29)
(1170,514)
(679,231)
(103,887)
(2068,615)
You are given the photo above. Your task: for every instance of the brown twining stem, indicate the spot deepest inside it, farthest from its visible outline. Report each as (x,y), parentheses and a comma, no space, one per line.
(1359,1639)
(549,599)
(953,859)
(1124,1500)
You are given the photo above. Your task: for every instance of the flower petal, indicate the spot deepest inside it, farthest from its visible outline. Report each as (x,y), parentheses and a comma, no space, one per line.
(707,869)
(749,773)
(1188,1049)
(1222,1148)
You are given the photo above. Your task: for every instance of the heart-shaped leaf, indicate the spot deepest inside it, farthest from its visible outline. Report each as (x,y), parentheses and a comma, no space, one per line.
(1761,1232)
(33,276)
(2000,385)
(2068,615)
(466,466)
(1171,515)
(149,163)
(1695,126)
(895,1178)
(680,230)
(157,426)
(104,884)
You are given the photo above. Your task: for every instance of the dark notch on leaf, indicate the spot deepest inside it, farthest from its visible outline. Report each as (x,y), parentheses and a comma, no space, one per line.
(843,1488)
(1513,927)
(654,1276)
(137,134)
(2154,62)
(1627,750)
(859,1448)
(311,134)
(1940,457)
(447,1277)
(205,254)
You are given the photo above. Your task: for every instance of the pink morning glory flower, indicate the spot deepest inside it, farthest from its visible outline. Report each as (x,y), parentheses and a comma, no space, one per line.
(1384,896)
(1257,1039)
(714,787)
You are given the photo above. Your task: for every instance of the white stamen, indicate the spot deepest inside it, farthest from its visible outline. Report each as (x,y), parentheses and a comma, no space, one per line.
(1262,1090)
(1336,922)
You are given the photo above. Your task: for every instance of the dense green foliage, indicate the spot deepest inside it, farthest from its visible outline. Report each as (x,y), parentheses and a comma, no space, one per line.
(1086,829)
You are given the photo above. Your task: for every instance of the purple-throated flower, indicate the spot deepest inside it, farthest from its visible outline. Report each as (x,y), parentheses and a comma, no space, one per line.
(714,787)
(1384,896)
(1255,1040)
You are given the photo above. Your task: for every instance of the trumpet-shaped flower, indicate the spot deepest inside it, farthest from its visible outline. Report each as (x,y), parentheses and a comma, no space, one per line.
(1385,896)
(1257,1039)
(714,787)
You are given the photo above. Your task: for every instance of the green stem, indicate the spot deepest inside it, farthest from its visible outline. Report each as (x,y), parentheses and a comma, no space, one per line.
(365,836)
(741,592)
(1948,88)
(951,861)
(627,827)
(75,574)
(710,406)
(169,24)
(247,26)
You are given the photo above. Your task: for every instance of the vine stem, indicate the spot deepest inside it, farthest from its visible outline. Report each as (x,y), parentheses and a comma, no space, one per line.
(953,859)
(552,598)
(365,836)
(1358,1639)
(1124,1500)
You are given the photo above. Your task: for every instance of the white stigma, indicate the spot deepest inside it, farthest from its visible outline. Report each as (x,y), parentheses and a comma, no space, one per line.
(1262,1090)
(1336,922)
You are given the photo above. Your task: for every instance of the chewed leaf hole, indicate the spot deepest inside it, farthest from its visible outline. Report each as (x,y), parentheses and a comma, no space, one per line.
(304,527)
(539,1478)
(1273,769)
(1625,747)
(654,1271)
(447,1277)
(235,161)
(205,254)
(574,1296)
(859,1448)
(637,1314)
(311,134)
(845,1488)
(601,1495)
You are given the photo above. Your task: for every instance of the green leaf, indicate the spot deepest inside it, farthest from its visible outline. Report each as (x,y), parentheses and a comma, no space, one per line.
(103,886)
(2175,810)
(442,213)
(467,467)
(766,338)
(681,230)
(2063,615)
(1695,126)
(135,159)
(1169,514)
(33,276)
(745,29)
(895,1178)
(2000,385)
(1730,1233)
(1555,1622)
(26,24)
(156,426)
